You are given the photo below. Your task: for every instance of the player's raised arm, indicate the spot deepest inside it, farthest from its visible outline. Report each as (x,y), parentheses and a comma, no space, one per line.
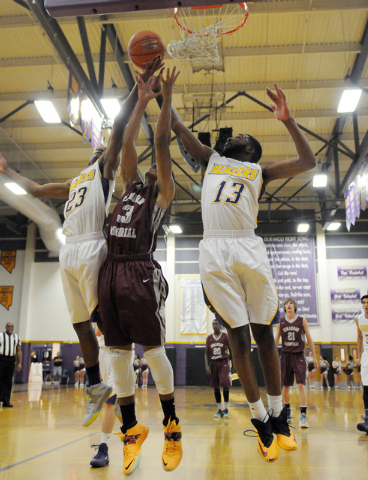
(305,160)
(109,162)
(165,182)
(129,156)
(53,190)
(194,147)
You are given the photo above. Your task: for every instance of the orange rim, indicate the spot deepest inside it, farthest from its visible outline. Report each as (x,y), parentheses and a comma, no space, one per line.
(242,5)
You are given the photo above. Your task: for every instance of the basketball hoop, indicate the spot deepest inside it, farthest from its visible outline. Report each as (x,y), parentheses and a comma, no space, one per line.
(200,29)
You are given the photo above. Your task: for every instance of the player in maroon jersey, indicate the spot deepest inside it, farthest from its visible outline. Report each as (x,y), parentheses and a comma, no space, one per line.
(217,365)
(132,288)
(293,329)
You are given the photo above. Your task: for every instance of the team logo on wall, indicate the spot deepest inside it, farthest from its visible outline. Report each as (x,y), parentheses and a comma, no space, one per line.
(8,259)
(6,296)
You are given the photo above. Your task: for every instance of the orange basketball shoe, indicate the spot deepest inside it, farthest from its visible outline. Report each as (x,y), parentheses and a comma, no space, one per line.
(133,439)
(285,437)
(173,450)
(266,444)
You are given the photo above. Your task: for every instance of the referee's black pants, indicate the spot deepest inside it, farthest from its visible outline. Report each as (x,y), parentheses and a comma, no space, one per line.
(7,365)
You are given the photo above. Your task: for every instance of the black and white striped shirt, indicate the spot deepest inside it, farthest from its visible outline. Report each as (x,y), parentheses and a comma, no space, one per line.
(8,344)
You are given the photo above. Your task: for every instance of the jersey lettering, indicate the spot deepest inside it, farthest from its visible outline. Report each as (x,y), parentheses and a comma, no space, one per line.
(238,189)
(77,199)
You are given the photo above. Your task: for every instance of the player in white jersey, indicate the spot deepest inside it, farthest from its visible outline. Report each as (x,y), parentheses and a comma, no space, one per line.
(362,326)
(235,272)
(89,196)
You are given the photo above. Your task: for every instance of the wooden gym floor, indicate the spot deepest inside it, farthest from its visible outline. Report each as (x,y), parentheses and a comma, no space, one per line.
(42,438)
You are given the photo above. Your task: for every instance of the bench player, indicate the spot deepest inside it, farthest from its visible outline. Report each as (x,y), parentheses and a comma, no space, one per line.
(217,365)
(292,330)
(89,197)
(234,268)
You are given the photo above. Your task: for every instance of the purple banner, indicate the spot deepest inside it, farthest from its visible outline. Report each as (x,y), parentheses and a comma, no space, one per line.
(352,272)
(72,100)
(345,315)
(292,260)
(345,295)
(347,211)
(357,199)
(351,194)
(96,131)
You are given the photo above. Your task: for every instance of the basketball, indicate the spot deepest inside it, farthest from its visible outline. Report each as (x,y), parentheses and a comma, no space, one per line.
(145,46)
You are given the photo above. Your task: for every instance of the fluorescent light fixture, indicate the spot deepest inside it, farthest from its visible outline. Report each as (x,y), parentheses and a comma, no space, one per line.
(175,229)
(47,111)
(111,106)
(303,227)
(349,100)
(334,226)
(319,180)
(15,189)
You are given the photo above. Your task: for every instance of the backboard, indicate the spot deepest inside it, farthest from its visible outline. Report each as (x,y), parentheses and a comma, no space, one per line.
(67,8)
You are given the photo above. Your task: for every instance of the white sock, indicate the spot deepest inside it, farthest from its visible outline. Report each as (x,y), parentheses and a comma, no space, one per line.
(258,411)
(275,403)
(105,437)
(219,405)
(226,405)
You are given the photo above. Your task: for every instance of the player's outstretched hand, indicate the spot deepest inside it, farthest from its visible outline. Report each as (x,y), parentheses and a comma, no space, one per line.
(151,67)
(279,106)
(3,164)
(168,82)
(145,88)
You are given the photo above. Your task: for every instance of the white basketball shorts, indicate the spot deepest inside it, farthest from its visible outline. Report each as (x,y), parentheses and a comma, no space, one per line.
(237,278)
(364,368)
(80,261)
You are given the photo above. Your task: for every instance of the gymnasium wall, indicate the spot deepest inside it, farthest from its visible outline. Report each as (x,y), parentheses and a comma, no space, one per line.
(39,311)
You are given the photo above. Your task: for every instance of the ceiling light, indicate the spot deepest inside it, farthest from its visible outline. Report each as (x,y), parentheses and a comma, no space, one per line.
(319,180)
(111,106)
(175,229)
(349,100)
(16,188)
(303,227)
(334,226)
(47,111)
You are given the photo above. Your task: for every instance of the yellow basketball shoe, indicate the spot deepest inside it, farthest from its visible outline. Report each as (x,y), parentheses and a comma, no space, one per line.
(173,450)
(133,439)
(266,444)
(285,437)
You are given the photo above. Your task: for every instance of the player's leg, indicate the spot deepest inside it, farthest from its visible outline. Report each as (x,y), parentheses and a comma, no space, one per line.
(268,356)
(81,297)
(217,394)
(163,376)
(363,427)
(226,394)
(101,459)
(287,379)
(145,378)
(240,342)
(286,399)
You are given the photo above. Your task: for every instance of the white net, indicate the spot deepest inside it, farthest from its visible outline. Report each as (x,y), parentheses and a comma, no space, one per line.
(200,29)
(198,47)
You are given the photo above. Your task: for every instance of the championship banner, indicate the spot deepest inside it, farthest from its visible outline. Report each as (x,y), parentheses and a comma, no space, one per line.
(347,212)
(72,101)
(345,315)
(193,310)
(86,118)
(8,259)
(357,199)
(6,296)
(96,131)
(351,194)
(292,260)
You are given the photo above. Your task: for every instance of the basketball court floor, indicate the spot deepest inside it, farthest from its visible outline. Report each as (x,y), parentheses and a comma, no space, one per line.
(42,438)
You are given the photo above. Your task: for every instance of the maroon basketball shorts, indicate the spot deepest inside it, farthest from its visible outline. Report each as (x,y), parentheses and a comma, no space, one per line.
(220,373)
(311,367)
(132,293)
(293,364)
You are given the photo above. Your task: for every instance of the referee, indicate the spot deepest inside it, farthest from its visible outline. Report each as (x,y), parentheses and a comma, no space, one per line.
(9,351)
